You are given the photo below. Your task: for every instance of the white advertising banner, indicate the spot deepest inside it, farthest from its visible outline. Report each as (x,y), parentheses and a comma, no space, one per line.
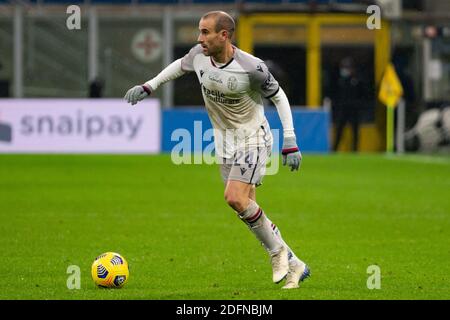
(79,126)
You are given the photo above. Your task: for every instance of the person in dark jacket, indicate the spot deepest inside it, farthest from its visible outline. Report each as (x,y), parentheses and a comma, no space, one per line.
(347,98)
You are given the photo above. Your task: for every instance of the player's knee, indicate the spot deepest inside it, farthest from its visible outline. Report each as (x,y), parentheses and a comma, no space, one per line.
(231,198)
(235,200)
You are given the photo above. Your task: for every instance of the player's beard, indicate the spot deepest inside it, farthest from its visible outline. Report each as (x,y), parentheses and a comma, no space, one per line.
(207,51)
(212,50)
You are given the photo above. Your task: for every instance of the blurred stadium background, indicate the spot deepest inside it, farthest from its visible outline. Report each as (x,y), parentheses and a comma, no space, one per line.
(121,43)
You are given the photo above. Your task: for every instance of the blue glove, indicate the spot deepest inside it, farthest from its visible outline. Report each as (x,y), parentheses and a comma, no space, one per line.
(137,93)
(291,153)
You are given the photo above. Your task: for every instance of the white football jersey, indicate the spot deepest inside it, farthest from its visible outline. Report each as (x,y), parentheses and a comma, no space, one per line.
(233,95)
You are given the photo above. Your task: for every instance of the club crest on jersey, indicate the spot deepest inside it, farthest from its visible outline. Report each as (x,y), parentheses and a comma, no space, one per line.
(232,83)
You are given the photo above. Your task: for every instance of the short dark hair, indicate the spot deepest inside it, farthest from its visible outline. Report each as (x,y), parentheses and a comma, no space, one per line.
(223,21)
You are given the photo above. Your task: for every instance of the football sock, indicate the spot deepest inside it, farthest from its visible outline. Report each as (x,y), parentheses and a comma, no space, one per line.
(261,227)
(293,259)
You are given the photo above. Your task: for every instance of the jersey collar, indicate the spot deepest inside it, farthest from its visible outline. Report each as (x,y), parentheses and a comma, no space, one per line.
(225,65)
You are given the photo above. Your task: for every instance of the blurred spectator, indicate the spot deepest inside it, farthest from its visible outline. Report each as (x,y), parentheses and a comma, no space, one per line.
(96,88)
(347,97)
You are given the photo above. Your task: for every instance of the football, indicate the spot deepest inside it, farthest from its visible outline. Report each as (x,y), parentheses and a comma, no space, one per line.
(110,270)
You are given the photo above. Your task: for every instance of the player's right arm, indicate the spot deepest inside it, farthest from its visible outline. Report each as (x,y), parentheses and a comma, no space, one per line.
(174,70)
(139,92)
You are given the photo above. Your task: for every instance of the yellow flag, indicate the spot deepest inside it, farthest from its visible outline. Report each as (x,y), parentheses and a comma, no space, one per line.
(391,89)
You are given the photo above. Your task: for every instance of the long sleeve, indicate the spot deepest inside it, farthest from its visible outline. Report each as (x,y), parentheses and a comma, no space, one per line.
(284,111)
(171,72)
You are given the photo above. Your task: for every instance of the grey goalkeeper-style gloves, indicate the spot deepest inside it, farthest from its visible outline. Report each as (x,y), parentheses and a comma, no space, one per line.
(137,93)
(291,153)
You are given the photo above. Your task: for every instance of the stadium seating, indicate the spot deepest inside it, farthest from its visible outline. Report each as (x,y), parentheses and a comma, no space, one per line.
(168,2)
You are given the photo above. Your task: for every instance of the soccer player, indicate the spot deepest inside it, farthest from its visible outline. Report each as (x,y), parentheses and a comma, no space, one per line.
(233,85)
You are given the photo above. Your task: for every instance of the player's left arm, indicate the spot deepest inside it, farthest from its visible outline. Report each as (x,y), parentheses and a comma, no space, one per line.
(270,89)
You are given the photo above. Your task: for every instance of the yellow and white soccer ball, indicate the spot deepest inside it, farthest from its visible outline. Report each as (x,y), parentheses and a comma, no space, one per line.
(110,270)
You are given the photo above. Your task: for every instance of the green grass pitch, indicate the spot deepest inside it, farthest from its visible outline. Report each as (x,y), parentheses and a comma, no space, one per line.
(340,213)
